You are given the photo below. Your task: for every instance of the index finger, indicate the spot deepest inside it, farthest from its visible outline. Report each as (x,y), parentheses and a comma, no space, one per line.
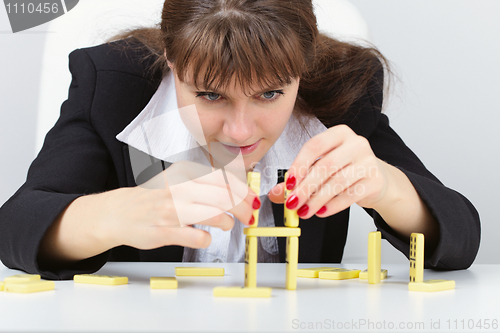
(313,150)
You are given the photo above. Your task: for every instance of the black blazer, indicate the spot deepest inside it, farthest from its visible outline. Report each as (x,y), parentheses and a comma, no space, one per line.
(81,155)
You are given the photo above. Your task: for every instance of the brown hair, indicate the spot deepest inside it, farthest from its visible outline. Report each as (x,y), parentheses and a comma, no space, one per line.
(264,42)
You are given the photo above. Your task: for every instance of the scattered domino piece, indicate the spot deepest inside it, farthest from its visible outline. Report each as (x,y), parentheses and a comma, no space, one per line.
(32,286)
(432,285)
(251,261)
(290,217)
(339,274)
(417,257)
(242,292)
(363,275)
(22,278)
(272,232)
(312,272)
(374,253)
(106,280)
(253,180)
(199,271)
(292,259)
(167,282)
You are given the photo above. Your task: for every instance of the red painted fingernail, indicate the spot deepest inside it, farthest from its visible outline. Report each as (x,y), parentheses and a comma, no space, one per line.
(303,210)
(321,210)
(256,203)
(252,221)
(292,202)
(290,182)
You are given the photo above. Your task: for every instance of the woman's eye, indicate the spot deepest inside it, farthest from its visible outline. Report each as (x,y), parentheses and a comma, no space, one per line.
(209,97)
(269,94)
(212,96)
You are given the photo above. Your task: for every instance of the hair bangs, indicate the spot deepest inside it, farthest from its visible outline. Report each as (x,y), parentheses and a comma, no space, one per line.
(238,46)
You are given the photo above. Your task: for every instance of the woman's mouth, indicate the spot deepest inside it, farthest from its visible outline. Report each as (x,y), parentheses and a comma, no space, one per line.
(245,150)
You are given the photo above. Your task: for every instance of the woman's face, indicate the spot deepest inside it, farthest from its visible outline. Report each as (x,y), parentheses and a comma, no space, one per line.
(251,123)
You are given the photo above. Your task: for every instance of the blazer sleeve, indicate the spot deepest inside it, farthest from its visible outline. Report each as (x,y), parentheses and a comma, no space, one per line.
(458,220)
(72,162)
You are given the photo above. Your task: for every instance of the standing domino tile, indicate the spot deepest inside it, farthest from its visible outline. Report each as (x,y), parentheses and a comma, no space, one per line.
(253,180)
(292,260)
(417,243)
(106,280)
(374,253)
(22,278)
(251,261)
(290,217)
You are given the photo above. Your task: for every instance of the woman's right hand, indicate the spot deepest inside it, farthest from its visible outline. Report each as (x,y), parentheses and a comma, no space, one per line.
(160,211)
(154,214)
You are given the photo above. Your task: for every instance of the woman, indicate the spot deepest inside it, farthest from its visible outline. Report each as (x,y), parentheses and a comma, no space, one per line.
(260,77)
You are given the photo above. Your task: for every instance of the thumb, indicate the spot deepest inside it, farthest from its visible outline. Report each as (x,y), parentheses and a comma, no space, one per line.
(277,194)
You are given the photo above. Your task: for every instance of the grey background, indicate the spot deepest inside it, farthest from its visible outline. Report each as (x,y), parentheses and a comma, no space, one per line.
(444,103)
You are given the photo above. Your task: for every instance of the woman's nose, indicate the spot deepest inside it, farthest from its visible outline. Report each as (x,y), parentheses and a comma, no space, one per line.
(239,126)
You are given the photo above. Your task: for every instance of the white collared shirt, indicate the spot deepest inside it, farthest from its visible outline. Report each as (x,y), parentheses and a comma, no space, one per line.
(168,136)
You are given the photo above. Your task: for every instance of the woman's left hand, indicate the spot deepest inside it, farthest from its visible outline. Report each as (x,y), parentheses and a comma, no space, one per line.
(334,170)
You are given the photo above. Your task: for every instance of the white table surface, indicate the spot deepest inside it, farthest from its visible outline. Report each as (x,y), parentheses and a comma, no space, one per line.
(316,305)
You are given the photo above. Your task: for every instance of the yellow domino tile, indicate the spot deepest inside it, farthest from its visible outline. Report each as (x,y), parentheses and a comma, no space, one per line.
(292,259)
(199,271)
(242,292)
(106,280)
(251,261)
(339,274)
(253,180)
(1,285)
(374,253)
(417,243)
(312,272)
(290,216)
(432,285)
(166,282)
(29,286)
(22,278)
(272,232)
(363,275)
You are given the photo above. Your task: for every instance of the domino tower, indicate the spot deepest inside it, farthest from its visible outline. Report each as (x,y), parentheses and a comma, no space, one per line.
(291,231)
